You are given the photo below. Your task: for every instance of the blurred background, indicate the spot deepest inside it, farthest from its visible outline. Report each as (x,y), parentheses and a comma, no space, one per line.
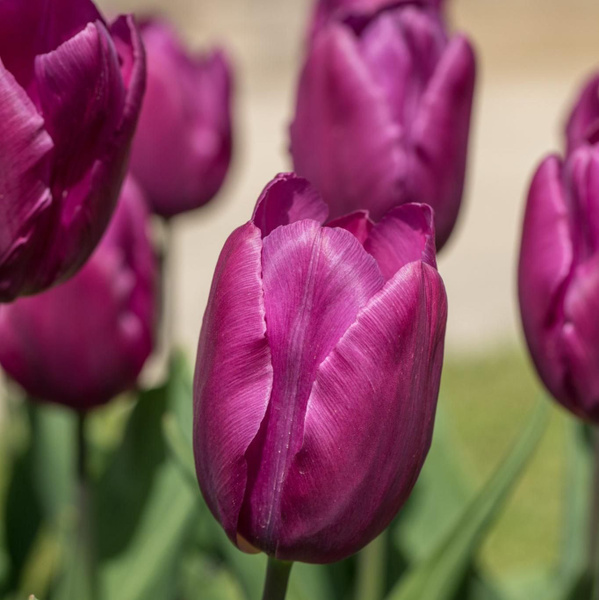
(533,55)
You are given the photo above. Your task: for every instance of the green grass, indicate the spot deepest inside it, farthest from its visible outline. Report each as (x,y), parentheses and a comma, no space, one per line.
(489,399)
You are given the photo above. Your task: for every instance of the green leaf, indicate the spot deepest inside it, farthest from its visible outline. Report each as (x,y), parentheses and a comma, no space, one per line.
(439,576)
(147,505)
(438,499)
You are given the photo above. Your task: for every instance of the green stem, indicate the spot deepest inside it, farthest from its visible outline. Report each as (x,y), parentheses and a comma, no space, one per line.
(85,534)
(372,566)
(277,578)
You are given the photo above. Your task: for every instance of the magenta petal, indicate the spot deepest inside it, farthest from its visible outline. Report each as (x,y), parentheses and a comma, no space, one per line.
(343,138)
(440,135)
(233,377)
(374,397)
(286,199)
(32,27)
(80,230)
(24,195)
(309,307)
(405,234)
(584,119)
(357,223)
(82,97)
(546,257)
(578,341)
(402,49)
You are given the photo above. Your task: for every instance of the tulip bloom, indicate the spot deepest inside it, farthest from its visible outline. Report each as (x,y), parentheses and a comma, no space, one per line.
(383,113)
(583,124)
(317,374)
(85,341)
(71,88)
(182,148)
(338,10)
(559,278)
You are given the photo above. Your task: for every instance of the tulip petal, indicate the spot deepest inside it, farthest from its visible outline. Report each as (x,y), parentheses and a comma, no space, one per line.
(582,179)
(343,138)
(82,98)
(233,377)
(546,258)
(368,423)
(402,49)
(584,119)
(286,199)
(440,136)
(308,309)
(80,230)
(405,234)
(24,195)
(357,223)
(578,341)
(32,27)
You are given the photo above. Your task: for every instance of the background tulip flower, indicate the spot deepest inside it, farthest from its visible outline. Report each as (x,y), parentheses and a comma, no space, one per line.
(329,10)
(317,374)
(85,341)
(559,278)
(383,113)
(70,92)
(182,148)
(583,124)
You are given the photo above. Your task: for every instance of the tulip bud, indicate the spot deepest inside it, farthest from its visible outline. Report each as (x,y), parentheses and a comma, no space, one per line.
(182,148)
(326,11)
(70,92)
(583,124)
(85,341)
(383,113)
(559,278)
(317,374)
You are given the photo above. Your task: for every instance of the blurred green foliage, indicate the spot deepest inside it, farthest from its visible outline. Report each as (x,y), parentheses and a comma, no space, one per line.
(462,536)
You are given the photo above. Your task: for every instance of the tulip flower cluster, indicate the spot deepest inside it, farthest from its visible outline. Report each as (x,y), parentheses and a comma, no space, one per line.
(559,264)
(71,88)
(383,111)
(294,363)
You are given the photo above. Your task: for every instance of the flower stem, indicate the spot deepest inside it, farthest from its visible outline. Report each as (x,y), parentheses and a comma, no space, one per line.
(85,533)
(371,569)
(277,578)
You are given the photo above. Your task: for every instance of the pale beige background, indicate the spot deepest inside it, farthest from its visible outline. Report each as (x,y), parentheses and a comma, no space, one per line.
(533,55)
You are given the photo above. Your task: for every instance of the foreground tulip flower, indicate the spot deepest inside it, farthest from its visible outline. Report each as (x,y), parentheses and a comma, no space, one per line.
(182,148)
(317,374)
(85,341)
(71,88)
(383,114)
(559,278)
(583,124)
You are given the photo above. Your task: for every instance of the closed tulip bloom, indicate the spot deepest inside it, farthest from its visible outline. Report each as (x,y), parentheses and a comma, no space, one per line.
(559,278)
(329,10)
(317,374)
(85,341)
(71,87)
(182,148)
(583,124)
(383,113)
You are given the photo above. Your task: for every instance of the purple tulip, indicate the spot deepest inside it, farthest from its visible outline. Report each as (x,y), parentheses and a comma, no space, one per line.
(182,148)
(583,124)
(85,341)
(326,11)
(317,374)
(383,113)
(71,88)
(559,278)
